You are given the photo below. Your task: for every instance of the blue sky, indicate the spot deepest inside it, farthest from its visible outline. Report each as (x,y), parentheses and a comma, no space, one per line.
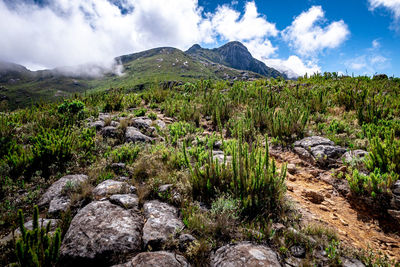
(359,37)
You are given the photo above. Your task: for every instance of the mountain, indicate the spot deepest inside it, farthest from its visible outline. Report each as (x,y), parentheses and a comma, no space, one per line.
(20,86)
(234,55)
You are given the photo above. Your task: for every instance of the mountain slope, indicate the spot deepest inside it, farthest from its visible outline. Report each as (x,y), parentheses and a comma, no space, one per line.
(234,55)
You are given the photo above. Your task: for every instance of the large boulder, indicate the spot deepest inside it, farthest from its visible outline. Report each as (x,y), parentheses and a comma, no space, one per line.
(319,149)
(128,201)
(142,123)
(244,254)
(101,234)
(162,223)
(97,124)
(55,196)
(156,259)
(112,187)
(132,134)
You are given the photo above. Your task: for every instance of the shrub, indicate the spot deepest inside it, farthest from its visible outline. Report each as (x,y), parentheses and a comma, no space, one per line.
(140,112)
(126,153)
(72,107)
(37,247)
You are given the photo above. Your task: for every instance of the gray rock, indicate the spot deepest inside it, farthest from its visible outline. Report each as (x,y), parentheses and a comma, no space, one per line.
(395,202)
(54,195)
(128,201)
(165,188)
(114,124)
(156,259)
(161,124)
(217,145)
(112,187)
(100,233)
(318,149)
(132,134)
(97,124)
(244,254)
(109,132)
(351,263)
(104,116)
(298,251)
(219,155)
(118,167)
(185,240)
(291,168)
(162,223)
(357,154)
(396,188)
(142,123)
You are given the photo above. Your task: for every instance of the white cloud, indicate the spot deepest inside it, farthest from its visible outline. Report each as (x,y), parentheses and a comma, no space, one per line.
(308,38)
(294,66)
(392,5)
(76,32)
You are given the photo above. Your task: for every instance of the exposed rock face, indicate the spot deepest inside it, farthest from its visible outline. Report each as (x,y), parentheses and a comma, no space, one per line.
(54,195)
(132,134)
(128,201)
(156,259)
(100,233)
(162,222)
(359,154)
(142,123)
(97,124)
(111,187)
(318,149)
(244,254)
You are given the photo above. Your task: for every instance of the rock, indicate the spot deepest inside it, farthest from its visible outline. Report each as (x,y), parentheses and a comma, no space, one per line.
(112,187)
(161,124)
(104,116)
(114,124)
(128,201)
(118,167)
(162,222)
(318,149)
(132,134)
(109,132)
(185,240)
(357,154)
(165,188)
(219,155)
(217,145)
(55,195)
(142,123)
(100,233)
(29,225)
(396,188)
(156,259)
(291,168)
(395,214)
(97,124)
(244,254)
(395,202)
(314,197)
(298,251)
(122,178)
(351,263)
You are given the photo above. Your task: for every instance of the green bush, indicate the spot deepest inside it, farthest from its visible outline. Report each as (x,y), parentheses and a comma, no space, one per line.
(37,247)
(126,153)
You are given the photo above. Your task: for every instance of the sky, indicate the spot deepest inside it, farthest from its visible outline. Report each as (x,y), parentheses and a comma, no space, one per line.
(356,37)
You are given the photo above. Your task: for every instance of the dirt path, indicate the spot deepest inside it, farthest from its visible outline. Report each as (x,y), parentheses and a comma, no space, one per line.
(354,224)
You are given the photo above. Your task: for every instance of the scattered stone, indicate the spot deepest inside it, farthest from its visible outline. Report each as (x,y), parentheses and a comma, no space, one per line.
(55,196)
(97,124)
(165,188)
(351,263)
(318,149)
(185,240)
(244,254)
(109,132)
(314,197)
(156,259)
(292,169)
(217,145)
(128,201)
(357,154)
(100,233)
(278,227)
(161,124)
(112,187)
(298,251)
(132,134)
(142,123)
(162,223)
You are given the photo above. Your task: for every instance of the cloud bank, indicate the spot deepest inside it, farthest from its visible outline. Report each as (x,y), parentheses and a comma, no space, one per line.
(74,32)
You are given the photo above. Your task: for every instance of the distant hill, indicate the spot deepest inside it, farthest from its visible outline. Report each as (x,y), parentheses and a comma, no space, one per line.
(20,86)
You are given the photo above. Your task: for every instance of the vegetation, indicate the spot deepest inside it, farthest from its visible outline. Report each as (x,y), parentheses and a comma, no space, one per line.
(237,195)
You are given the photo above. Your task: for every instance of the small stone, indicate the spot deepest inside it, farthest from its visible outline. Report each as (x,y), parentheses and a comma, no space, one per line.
(165,188)
(291,177)
(298,251)
(314,197)
(292,169)
(128,201)
(118,167)
(185,240)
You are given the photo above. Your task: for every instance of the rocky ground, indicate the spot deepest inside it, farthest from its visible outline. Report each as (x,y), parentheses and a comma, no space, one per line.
(114,228)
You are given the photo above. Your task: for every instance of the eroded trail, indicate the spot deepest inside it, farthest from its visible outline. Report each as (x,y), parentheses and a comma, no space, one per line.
(321,202)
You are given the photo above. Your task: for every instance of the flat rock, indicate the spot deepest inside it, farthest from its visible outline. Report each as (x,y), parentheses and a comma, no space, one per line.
(313,141)
(54,197)
(161,124)
(128,201)
(244,254)
(357,154)
(112,187)
(314,197)
(162,222)
(132,134)
(104,116)
(142,123)
(100,233)
(156,259)
(97,124)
